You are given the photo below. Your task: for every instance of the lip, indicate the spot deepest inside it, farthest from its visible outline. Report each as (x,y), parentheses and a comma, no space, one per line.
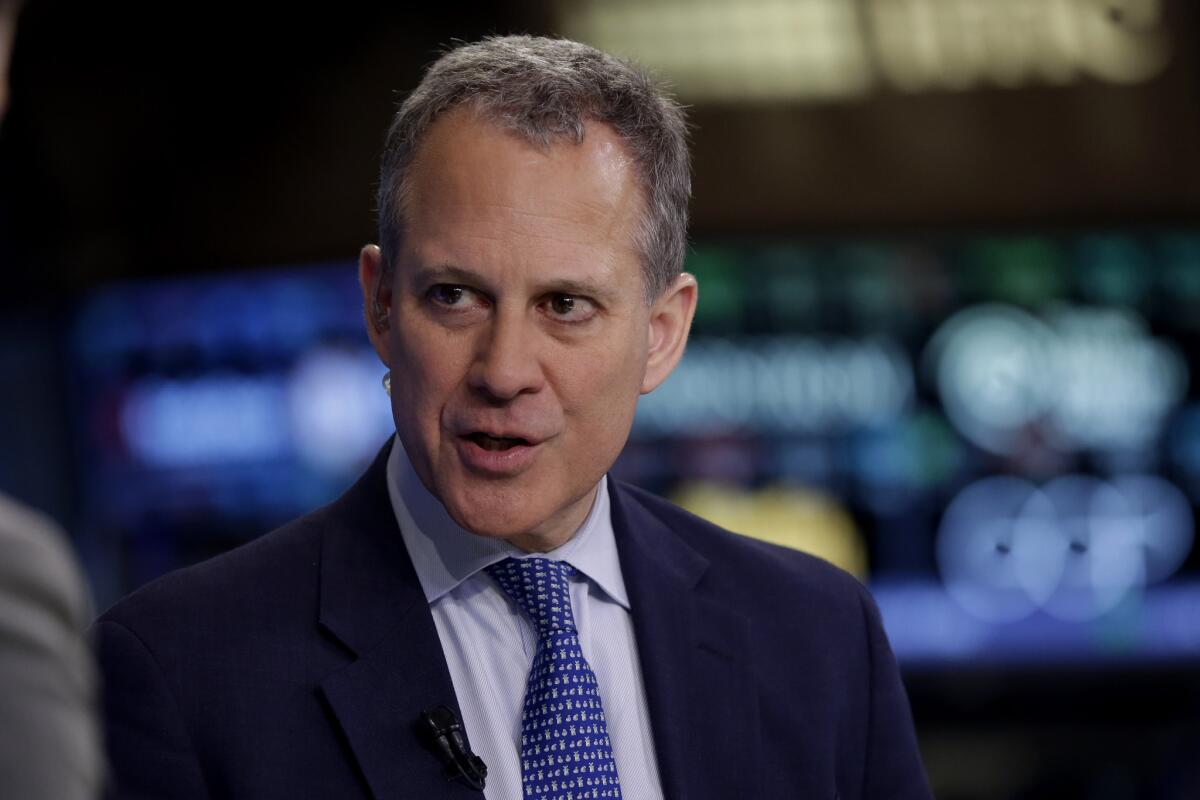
(496,463)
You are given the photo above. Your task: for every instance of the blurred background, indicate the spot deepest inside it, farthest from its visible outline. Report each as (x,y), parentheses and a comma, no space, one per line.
(949,257)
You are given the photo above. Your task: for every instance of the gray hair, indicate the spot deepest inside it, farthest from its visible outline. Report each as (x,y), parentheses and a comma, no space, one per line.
(545,90)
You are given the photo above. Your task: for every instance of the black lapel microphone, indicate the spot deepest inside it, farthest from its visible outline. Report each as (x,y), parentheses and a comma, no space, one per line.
(445,734)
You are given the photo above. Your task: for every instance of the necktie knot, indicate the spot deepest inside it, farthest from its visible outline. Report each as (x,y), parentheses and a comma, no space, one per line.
(541,587)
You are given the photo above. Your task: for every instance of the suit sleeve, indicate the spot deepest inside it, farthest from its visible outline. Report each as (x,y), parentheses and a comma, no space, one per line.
(893,766)
(149,748)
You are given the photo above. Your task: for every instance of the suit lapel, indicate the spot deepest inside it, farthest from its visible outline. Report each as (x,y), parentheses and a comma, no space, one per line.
(693,653)
(372,603)
(694,657)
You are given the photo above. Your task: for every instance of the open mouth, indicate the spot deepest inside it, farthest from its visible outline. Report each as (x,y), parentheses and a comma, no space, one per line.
(496,442)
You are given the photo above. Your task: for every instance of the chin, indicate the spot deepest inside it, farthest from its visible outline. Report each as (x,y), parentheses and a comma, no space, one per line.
(494,514)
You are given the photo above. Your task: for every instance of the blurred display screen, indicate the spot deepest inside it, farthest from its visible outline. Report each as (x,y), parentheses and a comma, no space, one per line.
(1000,434)
(757,50)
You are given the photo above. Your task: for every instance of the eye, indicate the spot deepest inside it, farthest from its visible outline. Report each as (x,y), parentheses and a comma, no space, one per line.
(569,308)
(454,303)
(447,294)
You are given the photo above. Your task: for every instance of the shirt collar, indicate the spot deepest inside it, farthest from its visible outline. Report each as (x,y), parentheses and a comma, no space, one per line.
(444,554)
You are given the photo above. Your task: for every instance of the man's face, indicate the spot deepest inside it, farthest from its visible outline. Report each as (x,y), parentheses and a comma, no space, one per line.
(517,330)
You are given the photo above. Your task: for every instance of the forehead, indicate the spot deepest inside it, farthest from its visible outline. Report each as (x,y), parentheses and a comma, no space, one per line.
(487,192)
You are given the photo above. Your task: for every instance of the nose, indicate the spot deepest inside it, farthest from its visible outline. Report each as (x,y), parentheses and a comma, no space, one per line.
(506,361)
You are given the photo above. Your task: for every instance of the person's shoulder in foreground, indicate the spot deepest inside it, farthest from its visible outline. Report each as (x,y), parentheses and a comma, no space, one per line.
(826,704)
(49,741)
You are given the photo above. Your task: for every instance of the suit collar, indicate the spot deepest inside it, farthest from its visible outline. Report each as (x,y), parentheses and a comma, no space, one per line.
(367,579)
(372,604)
(694,656)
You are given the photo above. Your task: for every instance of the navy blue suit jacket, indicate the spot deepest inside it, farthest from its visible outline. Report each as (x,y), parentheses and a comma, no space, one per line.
(296,666)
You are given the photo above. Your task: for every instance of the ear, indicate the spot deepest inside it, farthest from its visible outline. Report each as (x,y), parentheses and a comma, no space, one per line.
(670,320)
(377,299)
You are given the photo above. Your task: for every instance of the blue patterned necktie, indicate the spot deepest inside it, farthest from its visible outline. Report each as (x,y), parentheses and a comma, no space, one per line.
(565,750)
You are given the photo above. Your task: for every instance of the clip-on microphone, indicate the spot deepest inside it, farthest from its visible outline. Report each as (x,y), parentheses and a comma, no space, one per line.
(444,730)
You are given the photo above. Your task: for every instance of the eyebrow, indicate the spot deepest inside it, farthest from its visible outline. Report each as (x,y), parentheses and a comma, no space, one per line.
(446,273)
(451,273)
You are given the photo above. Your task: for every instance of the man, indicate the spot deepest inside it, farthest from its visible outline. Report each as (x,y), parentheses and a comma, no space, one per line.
(593,640)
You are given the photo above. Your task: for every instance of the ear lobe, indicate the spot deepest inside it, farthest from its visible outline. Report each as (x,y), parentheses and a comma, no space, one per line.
(670,321)
(377,298)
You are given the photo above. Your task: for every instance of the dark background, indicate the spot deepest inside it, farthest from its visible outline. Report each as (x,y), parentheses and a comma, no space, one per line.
(155,142)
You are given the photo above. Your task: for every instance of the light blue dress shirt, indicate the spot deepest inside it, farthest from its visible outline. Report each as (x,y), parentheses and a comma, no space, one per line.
(489,645)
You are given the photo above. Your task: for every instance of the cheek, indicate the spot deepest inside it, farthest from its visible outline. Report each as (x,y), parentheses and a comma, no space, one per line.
(605,384)
(426,372)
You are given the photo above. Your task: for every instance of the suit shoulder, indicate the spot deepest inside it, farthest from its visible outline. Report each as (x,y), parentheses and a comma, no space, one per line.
(276,564)
(748,564)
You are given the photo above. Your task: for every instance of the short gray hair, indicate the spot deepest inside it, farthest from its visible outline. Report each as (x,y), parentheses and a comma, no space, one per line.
(545,90)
